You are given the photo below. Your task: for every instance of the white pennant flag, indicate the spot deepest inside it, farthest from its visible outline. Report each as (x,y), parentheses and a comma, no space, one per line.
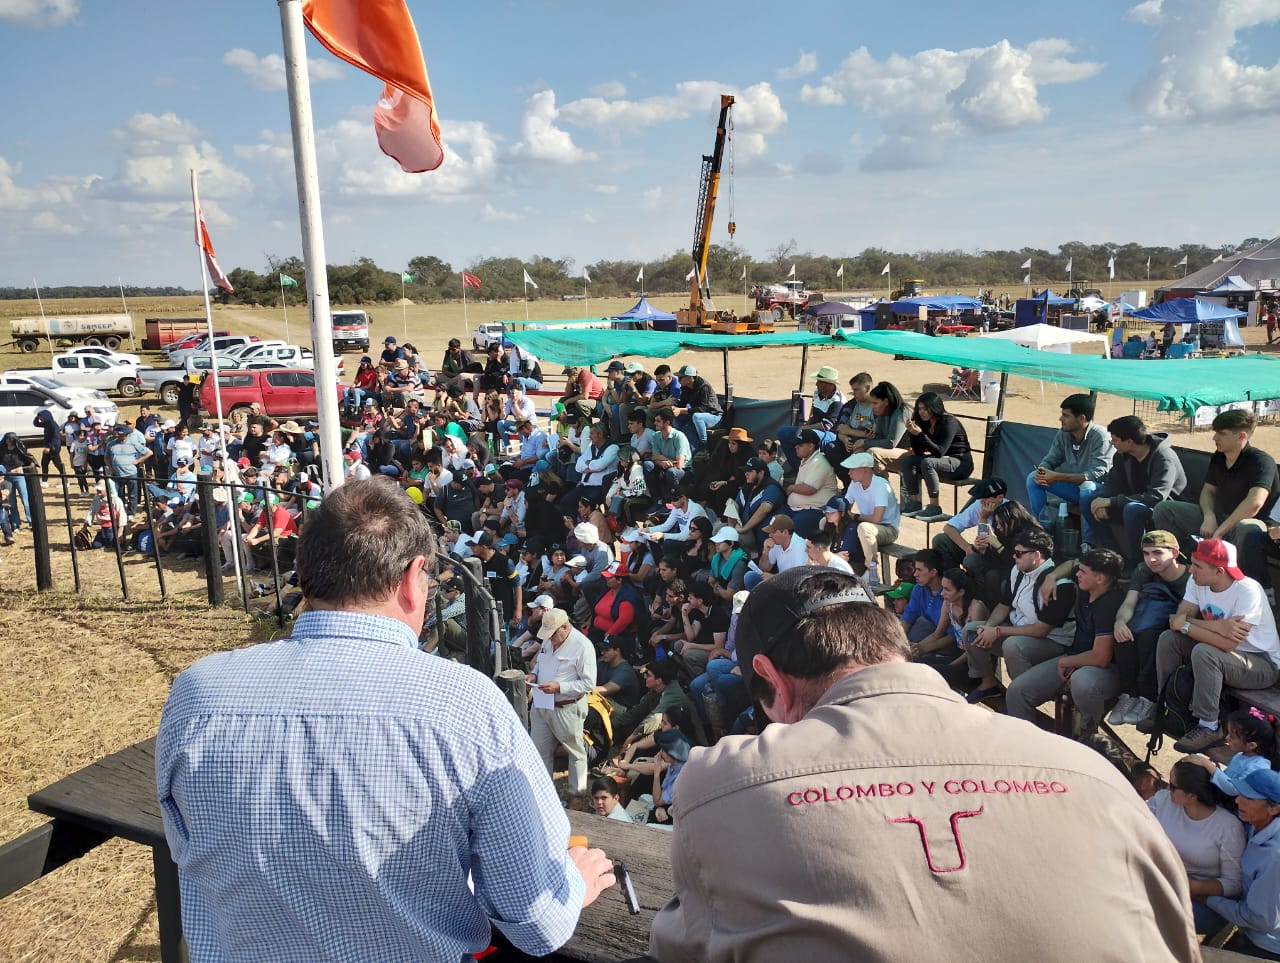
(691,275)
(1027,279)
(529,280)
(744,273)
(640,276)
(1111,267)
(792,272)
(1148,264)
(886,268)
(585,276)
(1026,265)
(1217,259)
(1183,262)
(1070,261)
(840,273)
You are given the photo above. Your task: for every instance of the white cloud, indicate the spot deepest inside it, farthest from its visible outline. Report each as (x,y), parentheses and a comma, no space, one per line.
(491,213)
(603,188)
(158,153)
(46,222)
(38,13)
(541,139)
(610,88)
(805,65)
(757,111)
(650,197)
(934,94)
(49,192)
(1199,73)
(267,72)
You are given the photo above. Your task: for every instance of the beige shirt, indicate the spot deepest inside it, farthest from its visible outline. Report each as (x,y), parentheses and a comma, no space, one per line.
(895,822)
(816,471)
(573,665)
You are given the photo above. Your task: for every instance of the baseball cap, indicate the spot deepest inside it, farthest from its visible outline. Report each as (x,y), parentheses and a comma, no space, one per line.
(586,533)
(183,461)
(674,743)
(780,523)
(989,488)
(739,600)
(577,561)
(900,591)
(616,366)
(552,621)
(859,459)
(243,462)
(453,525)
(727,533)
(687,371)
(388,340)
(633,367)
(1162,539)
(807,436)
(616,570)
(507,540)
(609,642)
(755,464)
(1216,552)
(169,424)
(544,601)
(484,540)
(632,535)
(1260,784)
(122,428)
(365,359)
(773,610)
(513,483)
(838,503)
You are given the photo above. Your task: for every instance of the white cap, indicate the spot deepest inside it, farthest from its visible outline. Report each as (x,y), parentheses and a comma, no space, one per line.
(543,601)
(586,533)
(577,561)
(727,533)
(859,459)
(632,535)
(739,600)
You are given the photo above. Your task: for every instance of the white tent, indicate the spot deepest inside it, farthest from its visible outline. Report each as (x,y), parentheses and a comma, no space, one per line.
(1050,337)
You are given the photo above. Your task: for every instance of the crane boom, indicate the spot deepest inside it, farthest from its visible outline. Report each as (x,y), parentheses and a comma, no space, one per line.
(708,188)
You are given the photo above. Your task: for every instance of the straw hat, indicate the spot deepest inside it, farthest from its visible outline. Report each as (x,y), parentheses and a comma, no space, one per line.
(827,373)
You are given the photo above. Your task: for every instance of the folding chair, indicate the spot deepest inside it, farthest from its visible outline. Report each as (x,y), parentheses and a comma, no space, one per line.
(966,387)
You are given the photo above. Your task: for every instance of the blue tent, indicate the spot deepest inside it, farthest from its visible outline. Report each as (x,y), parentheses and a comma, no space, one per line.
(1187,311)
(939,302)
(643,314)
(1233,284)
(1055,300)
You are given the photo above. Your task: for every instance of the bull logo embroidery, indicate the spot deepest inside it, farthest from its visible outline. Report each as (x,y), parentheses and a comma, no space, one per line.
(961,857)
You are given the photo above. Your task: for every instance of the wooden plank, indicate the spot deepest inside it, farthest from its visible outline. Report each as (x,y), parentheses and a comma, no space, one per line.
(42,850)
(115,795)
(1267,700)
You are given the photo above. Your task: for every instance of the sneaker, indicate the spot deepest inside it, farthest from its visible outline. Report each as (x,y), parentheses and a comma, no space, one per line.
(909,508)
(982,695)
(1199,739)
(872,578)
(1140,710)
(1120,714)
(929,511)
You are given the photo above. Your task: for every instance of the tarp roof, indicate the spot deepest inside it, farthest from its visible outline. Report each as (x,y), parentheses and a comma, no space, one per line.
(1176,385)
(936,302)
(1233,284)
(642,310)
(1047,335)
(1056,300)
(1187,311)
(1261,262)
(594,346)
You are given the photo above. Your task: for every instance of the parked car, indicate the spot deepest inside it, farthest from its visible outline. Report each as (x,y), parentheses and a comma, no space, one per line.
(284,392)
(89,371)
(77,396)
(190,341)
(119,357)
(486,333)
(18,407)
(220,345)
(289,355)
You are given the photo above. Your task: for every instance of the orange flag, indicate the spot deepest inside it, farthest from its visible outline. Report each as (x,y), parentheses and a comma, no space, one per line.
(378,37)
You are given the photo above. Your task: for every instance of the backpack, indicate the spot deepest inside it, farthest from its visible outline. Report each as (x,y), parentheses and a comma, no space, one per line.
(1173,709)
(1156,602)
(597,729)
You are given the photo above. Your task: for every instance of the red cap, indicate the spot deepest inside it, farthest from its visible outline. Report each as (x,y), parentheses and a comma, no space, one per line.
(616,570)
(1220,554)
(243,462)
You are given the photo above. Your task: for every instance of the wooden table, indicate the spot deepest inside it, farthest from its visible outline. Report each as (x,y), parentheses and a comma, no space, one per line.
(116,796)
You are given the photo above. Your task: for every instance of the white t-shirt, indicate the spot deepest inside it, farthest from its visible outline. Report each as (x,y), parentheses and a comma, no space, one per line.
(839,564)
(969,516)
(865,501)
(1245,598)
(785,558)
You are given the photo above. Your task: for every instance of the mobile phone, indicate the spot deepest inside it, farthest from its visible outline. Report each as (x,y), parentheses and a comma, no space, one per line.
(628,888)
(983,529)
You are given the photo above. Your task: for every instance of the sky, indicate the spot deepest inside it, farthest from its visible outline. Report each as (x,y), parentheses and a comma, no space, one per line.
(576,130)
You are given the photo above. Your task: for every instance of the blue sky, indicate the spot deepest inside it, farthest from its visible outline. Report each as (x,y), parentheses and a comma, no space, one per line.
(575,130)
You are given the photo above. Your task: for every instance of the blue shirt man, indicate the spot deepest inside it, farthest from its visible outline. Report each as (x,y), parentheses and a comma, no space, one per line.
(321,800)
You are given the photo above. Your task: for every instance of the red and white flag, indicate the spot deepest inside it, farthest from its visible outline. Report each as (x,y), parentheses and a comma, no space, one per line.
(378,37)
(202,241)
(470,281)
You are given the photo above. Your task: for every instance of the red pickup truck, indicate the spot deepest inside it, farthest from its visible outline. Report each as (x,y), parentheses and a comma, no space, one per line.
(286,392)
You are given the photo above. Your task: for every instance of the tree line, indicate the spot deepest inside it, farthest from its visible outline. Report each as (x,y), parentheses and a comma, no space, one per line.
(93,291)
(730,270)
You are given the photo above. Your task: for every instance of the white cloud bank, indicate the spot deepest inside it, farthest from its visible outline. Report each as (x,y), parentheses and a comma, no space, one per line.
(267,72)
(38,13)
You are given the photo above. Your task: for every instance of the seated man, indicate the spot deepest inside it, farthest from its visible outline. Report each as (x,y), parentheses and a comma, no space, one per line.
(815,478)
(643,718)
(706,625)
(782,550)
(873,512)
(699,409)
(755,502)
(582,393)
(1226,631)
(1022,627)
(616,678)
(674,532)
(1240,489)
(824,409)
(534,446)
(956,551)
(671,454)
(1087,665)
(1077,461)
(1144,472)
(924,604)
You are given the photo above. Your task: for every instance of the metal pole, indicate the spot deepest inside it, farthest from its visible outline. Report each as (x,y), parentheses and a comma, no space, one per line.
(71,531)
(144,494)
(728,391)
(214,586)
(804,366)
(39,528)
(304,162)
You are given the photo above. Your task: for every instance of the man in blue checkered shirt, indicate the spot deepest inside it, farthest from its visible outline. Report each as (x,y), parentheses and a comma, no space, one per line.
(341,795)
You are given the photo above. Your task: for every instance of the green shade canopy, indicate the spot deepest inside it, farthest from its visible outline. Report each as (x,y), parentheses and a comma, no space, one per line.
(598,346)
(1176,385)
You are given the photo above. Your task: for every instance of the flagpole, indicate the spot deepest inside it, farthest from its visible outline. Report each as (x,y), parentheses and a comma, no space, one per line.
(47,333)
(304,162)
(404,308)
(285,305)
(125,304)
(586,296)
(524,284)
(465,322)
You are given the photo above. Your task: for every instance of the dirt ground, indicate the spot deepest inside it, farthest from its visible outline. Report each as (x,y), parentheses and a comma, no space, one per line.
(83,676)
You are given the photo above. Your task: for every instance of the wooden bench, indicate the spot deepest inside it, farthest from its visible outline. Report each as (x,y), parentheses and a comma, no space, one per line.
(893,550)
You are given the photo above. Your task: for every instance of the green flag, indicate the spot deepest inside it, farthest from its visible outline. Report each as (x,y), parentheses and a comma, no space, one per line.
(286,281)
(407,278)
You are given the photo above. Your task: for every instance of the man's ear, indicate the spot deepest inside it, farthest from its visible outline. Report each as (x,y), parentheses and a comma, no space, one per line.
(783,703)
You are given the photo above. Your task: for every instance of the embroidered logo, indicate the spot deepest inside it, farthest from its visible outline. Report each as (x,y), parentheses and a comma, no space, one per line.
(962,859)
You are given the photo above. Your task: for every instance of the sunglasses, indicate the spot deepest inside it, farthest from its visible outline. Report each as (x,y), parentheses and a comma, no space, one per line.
(1018,553)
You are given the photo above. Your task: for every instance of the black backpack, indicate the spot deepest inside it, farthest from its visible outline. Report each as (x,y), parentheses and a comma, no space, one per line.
(1173,709)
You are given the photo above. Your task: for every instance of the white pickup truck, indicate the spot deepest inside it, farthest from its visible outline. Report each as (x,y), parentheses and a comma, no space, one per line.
(90,371)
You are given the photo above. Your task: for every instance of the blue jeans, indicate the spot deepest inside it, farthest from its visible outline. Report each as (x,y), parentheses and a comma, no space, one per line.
(695,427)
(1123,531)
(529,383)
(730,690)
(787,439)
(1082,495)
(19,493)
(356,396)
(751,579)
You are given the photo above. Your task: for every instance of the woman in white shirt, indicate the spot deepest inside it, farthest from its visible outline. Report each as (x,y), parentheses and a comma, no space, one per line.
(1208,838)
(278,452)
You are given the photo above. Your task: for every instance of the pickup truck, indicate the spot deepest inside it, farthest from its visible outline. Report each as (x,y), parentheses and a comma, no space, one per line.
(220,344)
(90,371)
(283,392)
(288,355)
(78,398)
(165,382)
